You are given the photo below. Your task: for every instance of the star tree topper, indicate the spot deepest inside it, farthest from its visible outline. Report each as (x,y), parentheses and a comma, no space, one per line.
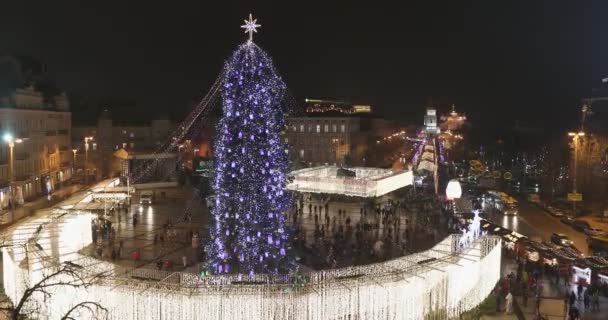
(250,26)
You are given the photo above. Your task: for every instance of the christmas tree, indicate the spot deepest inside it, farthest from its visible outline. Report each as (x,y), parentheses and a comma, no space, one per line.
(248,234)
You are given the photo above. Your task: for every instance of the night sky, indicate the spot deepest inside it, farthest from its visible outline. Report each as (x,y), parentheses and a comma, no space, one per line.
(497,62)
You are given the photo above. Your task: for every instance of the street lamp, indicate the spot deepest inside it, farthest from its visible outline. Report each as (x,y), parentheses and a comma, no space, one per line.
(575,136)
(74,163)
(10,140)
(86,158)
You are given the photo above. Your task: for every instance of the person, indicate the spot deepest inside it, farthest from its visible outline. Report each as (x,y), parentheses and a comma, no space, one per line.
(497,297)
(509,303)
(572,298)
(595,299)
(574,314)
(185,261)
(525,295)
(579,291)
(586,299)
(159,264)
(537,304)
(136,256)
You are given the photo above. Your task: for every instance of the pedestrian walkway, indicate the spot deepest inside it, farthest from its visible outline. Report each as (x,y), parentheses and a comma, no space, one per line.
(8,217)
(553,305)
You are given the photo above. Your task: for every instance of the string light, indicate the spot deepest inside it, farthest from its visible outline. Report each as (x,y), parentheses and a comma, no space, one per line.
(444,280)
(368,182)
(253,119)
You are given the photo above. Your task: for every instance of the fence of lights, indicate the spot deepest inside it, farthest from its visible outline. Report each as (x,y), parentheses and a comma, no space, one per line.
(368,182)
(440,283)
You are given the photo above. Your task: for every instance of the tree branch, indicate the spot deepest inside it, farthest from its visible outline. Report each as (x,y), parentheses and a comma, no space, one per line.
(92,307)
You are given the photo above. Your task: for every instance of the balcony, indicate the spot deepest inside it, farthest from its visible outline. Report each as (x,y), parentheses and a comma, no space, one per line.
(51,133)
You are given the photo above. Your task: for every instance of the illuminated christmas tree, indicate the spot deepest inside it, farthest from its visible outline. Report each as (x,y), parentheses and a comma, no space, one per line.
(248,234)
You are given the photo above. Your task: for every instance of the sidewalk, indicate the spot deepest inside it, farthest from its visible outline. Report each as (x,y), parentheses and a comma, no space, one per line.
(552,304)
(8,217)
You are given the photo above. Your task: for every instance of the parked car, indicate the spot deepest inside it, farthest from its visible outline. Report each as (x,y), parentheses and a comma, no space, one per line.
(580,225)
(557,213)
(562,240)
(593,232)
(567,220)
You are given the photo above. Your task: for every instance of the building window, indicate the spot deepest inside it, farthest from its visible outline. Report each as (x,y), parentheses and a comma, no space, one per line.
(94,146)
(301,128)
(301,153)
(132,144)
(286,140)
(342,128)
(293,128)
(318,128)
(124,145)
(326,128)
(334,128)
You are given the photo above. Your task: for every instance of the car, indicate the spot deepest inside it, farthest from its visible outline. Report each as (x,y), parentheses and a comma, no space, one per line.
(511,210)
(145,197)
(562,240)
(556,212)
(567,220)
(593,232)
(580,225)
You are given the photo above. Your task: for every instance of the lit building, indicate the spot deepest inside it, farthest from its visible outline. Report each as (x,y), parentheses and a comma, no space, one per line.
(334,132)
(111,134)
(453,121)
(430,121)
(35,122)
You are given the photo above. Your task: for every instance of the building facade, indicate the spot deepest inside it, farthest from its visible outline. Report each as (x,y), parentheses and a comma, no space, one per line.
(94,157)
(334,133)
(39,127)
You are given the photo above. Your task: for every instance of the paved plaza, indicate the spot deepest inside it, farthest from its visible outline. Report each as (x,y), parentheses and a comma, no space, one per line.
(170,234)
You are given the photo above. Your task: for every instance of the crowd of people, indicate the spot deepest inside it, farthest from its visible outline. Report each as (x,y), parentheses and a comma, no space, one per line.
(106,246)
(528,281)
(332,233)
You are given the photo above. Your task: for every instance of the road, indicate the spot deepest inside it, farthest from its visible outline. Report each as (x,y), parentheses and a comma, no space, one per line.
(536,223)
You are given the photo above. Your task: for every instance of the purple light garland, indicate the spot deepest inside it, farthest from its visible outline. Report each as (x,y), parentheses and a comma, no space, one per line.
(249,234)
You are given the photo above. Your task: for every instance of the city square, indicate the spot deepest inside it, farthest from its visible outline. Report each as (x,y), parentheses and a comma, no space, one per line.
(386,169)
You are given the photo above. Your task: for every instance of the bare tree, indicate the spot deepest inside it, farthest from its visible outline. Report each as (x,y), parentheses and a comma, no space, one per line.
(66,275)
(93,308)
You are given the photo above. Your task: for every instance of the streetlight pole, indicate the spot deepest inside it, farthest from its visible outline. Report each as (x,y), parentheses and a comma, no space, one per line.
(74,164)
(10,140)
(11,146)
(86,158)
(575,136)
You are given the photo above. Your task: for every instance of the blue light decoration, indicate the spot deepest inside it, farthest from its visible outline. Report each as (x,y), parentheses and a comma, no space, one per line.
(248,232)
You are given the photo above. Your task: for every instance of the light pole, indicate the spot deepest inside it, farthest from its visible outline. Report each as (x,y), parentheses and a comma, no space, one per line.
(10,140)
(575,136)
(74,164)
(86,158)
